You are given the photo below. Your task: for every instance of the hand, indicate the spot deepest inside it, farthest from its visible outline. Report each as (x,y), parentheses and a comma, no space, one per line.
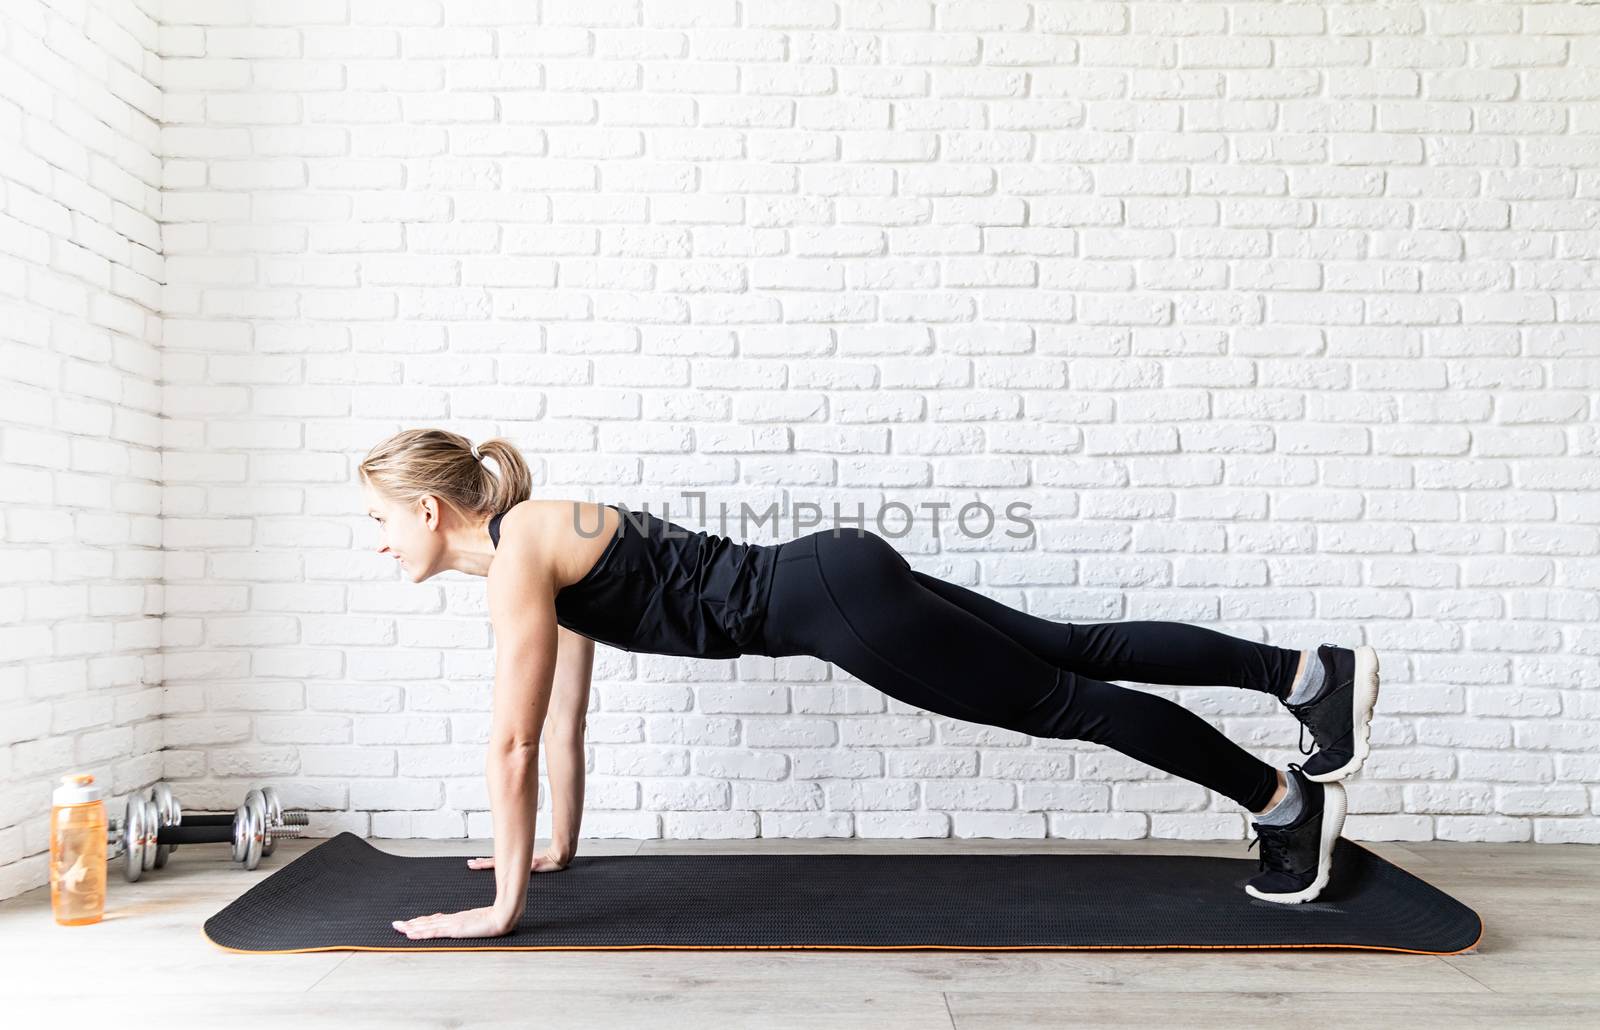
(474,922)
(548,861)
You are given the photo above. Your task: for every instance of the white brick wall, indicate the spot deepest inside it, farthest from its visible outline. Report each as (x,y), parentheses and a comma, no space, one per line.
(1281,316)
(80,430)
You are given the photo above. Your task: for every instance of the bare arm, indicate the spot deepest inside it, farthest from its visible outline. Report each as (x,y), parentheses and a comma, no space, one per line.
(563,741)
(522,608)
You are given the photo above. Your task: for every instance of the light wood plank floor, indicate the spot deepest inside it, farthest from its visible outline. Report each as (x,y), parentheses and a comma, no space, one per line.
(148,964)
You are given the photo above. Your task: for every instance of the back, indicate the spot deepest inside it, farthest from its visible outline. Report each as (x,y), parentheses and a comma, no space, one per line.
(660,588)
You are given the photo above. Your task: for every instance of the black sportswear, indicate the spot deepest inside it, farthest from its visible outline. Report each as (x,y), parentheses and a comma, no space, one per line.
(1296,860)
(1340,715)
(661,588)
(848,597)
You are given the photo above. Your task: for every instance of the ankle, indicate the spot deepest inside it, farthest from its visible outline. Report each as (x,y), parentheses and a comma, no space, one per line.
(1308,679)
(1284,688)
(1277,795)
(1287,808)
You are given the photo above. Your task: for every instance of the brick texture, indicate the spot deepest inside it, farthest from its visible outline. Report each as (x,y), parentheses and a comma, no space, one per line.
(1282,317)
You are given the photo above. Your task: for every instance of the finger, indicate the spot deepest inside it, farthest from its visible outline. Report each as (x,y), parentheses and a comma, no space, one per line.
(421,929)
(442,927)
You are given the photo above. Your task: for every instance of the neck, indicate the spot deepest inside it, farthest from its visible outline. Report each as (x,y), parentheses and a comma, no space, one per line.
(471,551)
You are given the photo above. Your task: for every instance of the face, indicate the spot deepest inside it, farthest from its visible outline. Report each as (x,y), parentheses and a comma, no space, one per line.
(411,534)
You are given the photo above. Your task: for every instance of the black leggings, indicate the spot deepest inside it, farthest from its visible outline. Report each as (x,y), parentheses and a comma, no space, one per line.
(853,600)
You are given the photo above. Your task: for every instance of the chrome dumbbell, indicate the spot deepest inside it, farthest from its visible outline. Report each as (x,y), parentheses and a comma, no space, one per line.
(151,827)
(260,823)
(267,810)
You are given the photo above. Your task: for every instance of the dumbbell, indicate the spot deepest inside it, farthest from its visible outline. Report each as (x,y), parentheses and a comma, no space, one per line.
(200,829)
(170,814)
(152,826)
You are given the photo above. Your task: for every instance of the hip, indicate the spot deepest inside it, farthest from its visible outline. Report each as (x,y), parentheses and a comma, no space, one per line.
(818,581)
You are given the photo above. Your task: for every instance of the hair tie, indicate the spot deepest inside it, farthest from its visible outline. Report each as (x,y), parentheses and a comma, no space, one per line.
(475,455)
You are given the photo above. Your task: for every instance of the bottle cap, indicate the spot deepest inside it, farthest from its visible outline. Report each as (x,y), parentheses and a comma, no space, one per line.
(75,789)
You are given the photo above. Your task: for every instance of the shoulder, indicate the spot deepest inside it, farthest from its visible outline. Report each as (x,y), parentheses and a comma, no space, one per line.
(539,539)
(520,578)
(548,525)
(522,558)
(520,521)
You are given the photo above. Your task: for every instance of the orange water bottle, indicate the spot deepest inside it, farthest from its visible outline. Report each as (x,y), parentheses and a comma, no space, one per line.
(77,851)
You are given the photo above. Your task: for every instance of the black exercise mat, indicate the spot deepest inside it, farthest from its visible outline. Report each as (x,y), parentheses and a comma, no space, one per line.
(344,893)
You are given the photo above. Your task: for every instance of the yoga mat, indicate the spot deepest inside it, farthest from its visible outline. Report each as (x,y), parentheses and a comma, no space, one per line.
(343,894)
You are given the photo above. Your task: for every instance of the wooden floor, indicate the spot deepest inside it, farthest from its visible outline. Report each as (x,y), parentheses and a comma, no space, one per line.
(149,964)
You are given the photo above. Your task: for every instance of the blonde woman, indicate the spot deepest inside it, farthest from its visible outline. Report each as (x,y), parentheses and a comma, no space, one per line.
(563,574)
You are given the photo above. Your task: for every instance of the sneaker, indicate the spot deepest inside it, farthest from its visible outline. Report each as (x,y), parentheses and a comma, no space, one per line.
(1340,716)
(1297,859)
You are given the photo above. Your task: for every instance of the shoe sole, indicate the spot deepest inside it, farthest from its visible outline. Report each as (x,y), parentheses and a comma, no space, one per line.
(1363,699)
(1334,806)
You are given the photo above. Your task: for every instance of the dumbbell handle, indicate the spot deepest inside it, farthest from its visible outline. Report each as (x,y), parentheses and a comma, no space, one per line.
(186,834)
(218,829)
(218,819)
(291,817)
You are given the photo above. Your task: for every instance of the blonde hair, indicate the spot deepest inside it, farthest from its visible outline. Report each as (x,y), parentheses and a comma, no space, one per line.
(415,462)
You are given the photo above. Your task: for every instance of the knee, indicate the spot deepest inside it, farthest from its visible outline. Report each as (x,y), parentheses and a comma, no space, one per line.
(1078,708)
(1055,714)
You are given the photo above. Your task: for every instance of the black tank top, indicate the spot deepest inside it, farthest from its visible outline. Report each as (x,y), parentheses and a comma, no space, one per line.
(689,593)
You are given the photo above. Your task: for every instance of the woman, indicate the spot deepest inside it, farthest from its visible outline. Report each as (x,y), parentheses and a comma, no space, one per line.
(847,597)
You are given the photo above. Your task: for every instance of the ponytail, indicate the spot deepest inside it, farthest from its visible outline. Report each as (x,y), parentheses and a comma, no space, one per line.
(416,462)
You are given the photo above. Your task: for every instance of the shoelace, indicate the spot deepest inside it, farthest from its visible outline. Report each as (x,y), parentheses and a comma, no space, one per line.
(1274,852)
(1274,841)
(1295,711)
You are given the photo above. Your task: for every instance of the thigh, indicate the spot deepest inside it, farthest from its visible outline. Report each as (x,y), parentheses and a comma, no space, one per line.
(1144,651)
(872,618)
(1050,640)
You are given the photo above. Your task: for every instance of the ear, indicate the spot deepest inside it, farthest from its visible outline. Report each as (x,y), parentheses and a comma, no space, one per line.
(430,511)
